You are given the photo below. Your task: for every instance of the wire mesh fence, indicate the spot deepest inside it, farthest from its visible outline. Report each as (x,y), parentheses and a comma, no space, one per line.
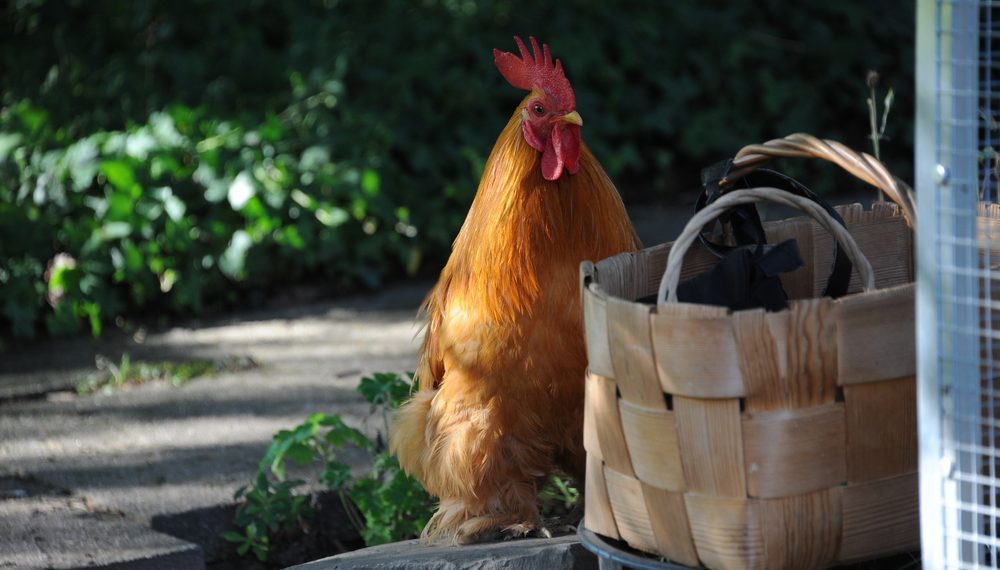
(958,183)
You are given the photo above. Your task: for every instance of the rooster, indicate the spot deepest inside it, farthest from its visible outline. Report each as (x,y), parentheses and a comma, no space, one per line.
(501,371)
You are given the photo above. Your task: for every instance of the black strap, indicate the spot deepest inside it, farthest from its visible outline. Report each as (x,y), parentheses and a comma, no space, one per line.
(745,220)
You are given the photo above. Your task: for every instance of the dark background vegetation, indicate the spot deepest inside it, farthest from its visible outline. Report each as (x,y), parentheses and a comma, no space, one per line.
(170,157)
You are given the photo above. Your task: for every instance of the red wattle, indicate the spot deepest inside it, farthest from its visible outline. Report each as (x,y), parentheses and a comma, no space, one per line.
(562,150)
(570,147)
(552,162)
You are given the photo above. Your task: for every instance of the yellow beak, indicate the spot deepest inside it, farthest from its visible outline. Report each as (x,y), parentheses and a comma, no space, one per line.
(573,118)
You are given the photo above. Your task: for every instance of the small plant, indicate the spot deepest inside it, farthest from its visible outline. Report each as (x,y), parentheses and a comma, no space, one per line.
(268,506)
(111,376)
(876,127)
(558,497)
(384,504)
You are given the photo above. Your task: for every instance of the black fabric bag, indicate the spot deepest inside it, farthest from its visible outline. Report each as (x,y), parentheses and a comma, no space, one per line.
(746,276)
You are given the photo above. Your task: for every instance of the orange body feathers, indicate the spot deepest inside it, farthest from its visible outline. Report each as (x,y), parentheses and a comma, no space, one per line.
(501,370)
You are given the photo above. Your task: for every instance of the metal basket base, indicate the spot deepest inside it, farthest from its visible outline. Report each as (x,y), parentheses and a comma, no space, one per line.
(616,555)
(611,554)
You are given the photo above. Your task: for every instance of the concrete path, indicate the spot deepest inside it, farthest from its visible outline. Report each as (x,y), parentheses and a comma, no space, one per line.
(159,458)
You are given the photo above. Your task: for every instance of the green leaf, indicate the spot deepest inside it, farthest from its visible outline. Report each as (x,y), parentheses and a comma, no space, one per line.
(119,174)
(32,117)
(8,142)
(370,183)
(233,260)
(336,475)
(384,389)
(81,159)
(241,190)
(342,434)
(260,551)
(216,191)
(115,230)
(174,206)
(314,157)
(300,453)
(134,259)
(93,313)
(277,463)
(332,216)
(233,536)
(290,236)
(120,207)
(139,144)
(303,199)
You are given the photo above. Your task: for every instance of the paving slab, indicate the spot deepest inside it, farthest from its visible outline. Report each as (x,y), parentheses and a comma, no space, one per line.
(563,553)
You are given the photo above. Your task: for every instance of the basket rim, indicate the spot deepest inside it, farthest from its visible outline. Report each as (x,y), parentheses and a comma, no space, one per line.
(590,275)
(594,286)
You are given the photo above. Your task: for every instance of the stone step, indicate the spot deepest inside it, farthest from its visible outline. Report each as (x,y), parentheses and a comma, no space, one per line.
(562,553)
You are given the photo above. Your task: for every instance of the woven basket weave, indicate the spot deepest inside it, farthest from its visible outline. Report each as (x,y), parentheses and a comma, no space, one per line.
(756,439)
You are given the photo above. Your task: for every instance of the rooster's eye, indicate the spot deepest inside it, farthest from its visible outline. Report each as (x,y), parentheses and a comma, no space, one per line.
(538,109)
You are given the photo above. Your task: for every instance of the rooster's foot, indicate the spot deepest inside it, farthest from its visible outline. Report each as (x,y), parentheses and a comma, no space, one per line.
(525,530)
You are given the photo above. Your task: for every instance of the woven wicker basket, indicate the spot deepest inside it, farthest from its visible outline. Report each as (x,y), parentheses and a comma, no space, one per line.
(753,439)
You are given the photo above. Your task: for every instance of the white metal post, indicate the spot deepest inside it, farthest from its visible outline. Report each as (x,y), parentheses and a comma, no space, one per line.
(948,311)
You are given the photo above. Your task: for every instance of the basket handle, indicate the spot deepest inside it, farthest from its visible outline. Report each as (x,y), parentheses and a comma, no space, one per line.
(672,273)
(801,145)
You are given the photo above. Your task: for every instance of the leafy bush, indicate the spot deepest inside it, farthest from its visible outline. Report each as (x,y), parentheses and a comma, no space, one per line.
(385,504)
(157,157)
(169,214)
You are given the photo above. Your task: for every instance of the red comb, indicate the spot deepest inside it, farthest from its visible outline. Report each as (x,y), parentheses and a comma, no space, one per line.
(531,71)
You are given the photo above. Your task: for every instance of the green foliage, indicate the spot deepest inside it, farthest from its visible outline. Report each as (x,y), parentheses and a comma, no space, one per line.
(557,497)
(384,504)
(268,506)
(111,376)
(385,390)
(170,214)
(177,161)
(393,505)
